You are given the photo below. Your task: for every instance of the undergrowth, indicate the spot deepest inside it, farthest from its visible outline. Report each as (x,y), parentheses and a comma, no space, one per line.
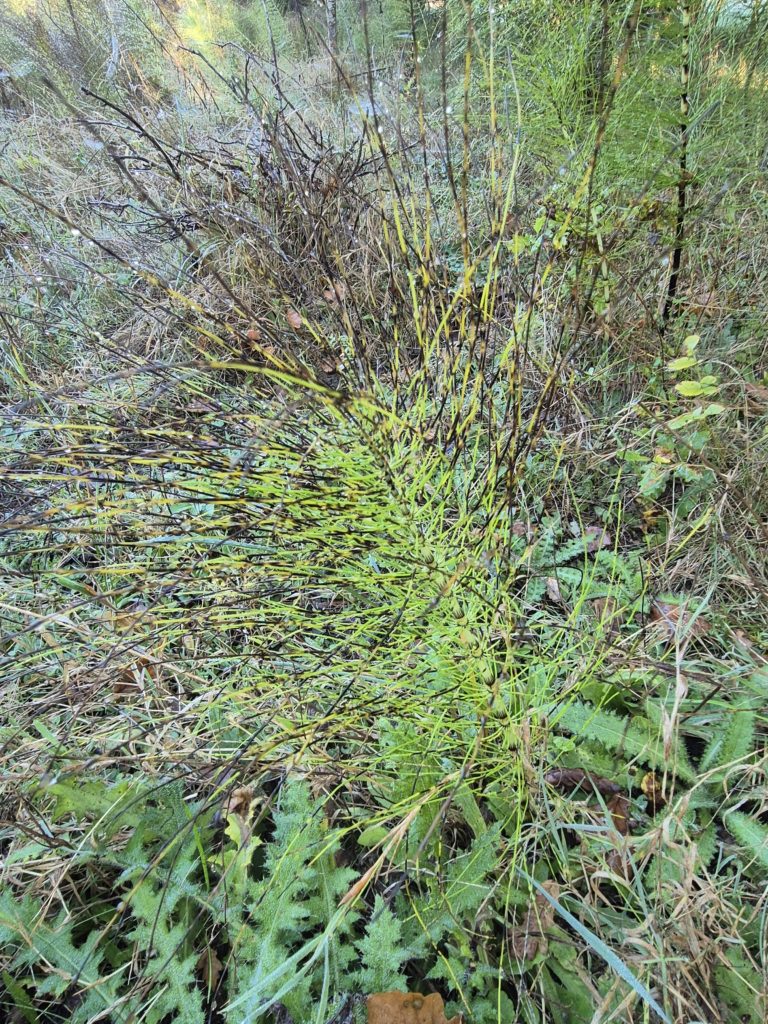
(383,443)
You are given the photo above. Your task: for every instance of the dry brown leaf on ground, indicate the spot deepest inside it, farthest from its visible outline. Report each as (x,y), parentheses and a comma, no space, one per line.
(578,778)
(553,590)
(651,786)
(408,1008)
(294,320)
(757,397)
(239,801)
(209,967)
(336,294)
(529,938)
(677,620)
(253,334)
(619,809)
(597,537)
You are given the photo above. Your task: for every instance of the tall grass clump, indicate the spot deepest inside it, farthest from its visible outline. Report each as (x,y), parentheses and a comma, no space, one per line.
(383,443)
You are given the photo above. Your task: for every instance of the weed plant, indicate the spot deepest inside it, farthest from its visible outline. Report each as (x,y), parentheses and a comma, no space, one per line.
(383,513)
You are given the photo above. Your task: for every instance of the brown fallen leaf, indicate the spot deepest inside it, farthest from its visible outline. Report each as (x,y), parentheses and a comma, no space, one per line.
(605,608)
(253,334)
(617,862)
(294,319)
(529,938)
(336,294)
(553,590)
(408,1008)
(239,801)
(578,778)
(597,537)
(619,809)
(652,788)
(209,967)
(132,678)
(757,397)
(675,619)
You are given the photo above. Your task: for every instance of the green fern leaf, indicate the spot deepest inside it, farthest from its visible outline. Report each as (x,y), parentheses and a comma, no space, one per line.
(751,834)
(732,742)
(636,737)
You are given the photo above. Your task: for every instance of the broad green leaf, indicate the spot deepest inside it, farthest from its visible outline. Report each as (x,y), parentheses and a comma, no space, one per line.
(690,388)
(682,363)
(690,343)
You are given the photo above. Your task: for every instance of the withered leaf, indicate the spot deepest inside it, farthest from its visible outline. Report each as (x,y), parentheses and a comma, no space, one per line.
(253,334)
(578,778)
(757,397)
(605,608)
(553,590)
(597,537)
(652,788)
(408,1008)
(529,938)
(210,967)
(239,801)
(294,319)
(619,809)
(336,293)
(674,618)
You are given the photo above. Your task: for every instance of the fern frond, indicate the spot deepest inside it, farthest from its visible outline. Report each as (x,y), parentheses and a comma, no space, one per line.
(732,741)
(750,834)
(636,737)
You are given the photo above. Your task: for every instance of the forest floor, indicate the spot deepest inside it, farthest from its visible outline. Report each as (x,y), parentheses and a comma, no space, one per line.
(383,564)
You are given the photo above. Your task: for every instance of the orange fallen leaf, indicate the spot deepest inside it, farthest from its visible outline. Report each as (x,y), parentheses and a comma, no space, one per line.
(253,334)
(408,1008)
(676,619)
(336,293)
(294,320)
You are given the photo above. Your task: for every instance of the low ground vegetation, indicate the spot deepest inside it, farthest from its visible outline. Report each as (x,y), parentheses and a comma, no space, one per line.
(385,422)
